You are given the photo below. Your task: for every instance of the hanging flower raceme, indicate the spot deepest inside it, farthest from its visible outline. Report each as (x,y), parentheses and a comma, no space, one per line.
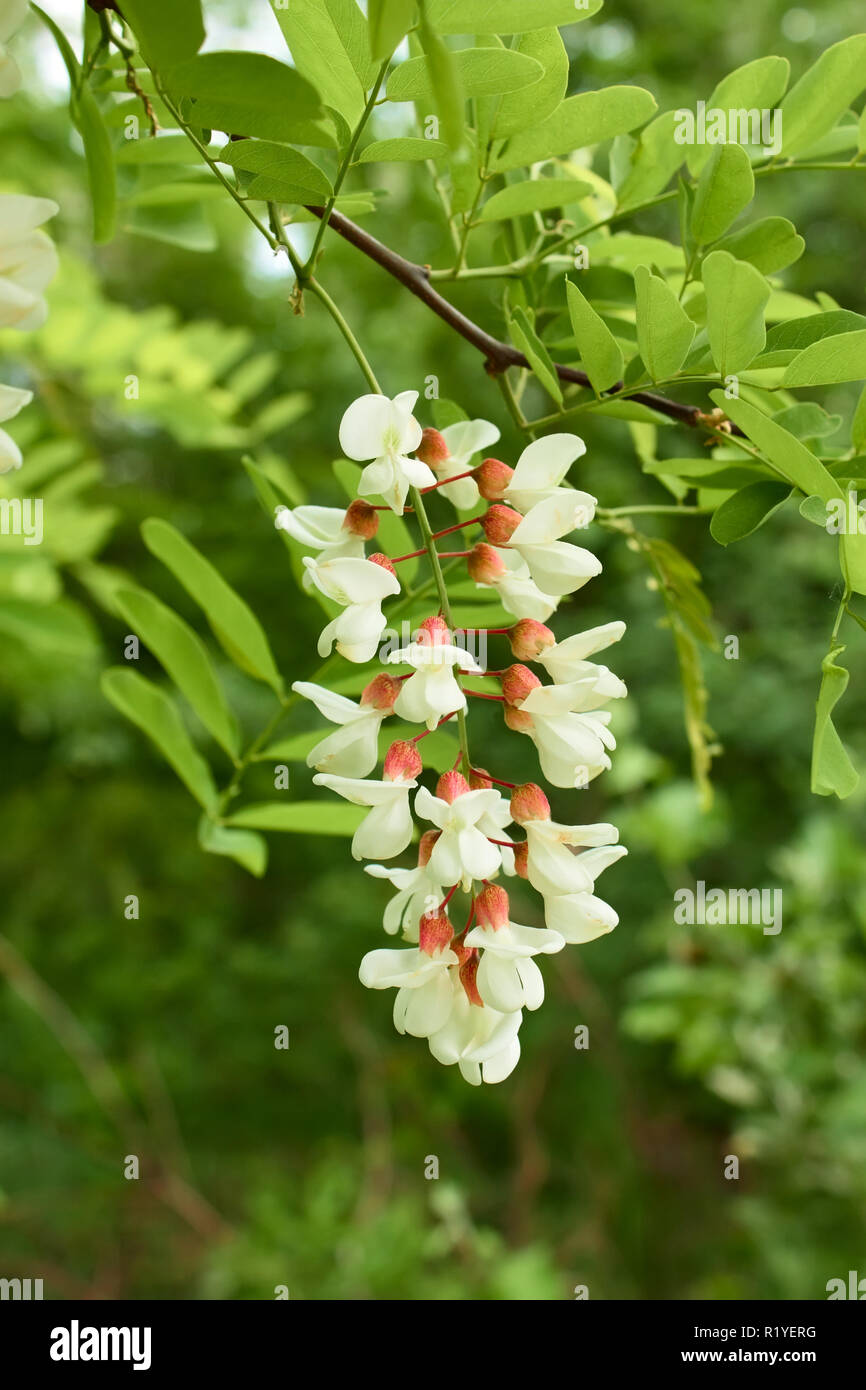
(468,970)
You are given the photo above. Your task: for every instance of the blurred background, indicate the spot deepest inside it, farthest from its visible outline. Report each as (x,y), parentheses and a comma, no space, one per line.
(155,1037)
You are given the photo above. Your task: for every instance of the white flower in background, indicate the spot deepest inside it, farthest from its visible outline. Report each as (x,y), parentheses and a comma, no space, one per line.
(508,573)
(353,749)
(482,1041)
(387,830)
(12,15)
(567,661)
(450,452)
(387,432)
(421,976)
(462,852)
(508,978)
(432,691)
(11,401)
(320,530)
(28,260)
(362,586)
(541,469)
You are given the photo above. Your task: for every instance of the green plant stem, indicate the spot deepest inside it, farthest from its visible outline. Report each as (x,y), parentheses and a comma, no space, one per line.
(605,513)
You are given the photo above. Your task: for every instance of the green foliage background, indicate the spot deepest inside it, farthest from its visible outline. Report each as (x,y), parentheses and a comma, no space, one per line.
(155,1037)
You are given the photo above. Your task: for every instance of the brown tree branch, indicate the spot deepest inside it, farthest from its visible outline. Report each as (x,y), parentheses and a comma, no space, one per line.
(498,356)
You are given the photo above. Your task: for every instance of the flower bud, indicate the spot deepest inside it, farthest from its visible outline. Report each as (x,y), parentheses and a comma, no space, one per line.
(521,859)
(528,802)
(529,638)
(517,719)
(433,632)
(500,523)
(381,692)
(517,682)
(425,847)
(491,907)
(361,519)
(434,932)
(493,477)
(485,566)
(402,762)
(433,449)
(480,779)
(450,786)
(467,972)
(380,559)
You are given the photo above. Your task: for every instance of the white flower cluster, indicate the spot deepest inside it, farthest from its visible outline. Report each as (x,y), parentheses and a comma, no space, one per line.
(28,260)
(463,984)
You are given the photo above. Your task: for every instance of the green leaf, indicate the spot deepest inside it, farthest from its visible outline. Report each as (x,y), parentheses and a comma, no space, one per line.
(167,30)
(327,39)
(740,515)
(185,658)
(481,72)
(769,245)
(756,86)
(234,624)
(156,715)
(799,333)
(248,848)
(737,296)
(654,161)
(524,337)
(664,329)
(99,154)
(282,174)
(838,358)
(580,121)
(517,110)
(599,350)
(245,94)
(402,148)
(301,817)
(833,773)
(858,424)
(824,92)
(533,195)
(389,22)
(442,65)
(505,16)
(725,187)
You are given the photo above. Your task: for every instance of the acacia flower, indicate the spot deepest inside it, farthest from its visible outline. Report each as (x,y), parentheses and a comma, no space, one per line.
(556,566)
(421,977)
(352,749)
(508,573)
(451,451)
(28,260)
(361,586)
(483,1042)
(387,829)
(386,432)
(564,722)
(541,469)
(566,661)
(462,852)
(417,893)
(11,401)
(508,978)
(320,529)
(431,691)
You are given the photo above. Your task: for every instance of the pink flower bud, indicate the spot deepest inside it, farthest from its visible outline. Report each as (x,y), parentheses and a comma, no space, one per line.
(402,762)
(493,477)
(425,847)
(381,692)
(433,632)
(361,519)
(491,907)
(500,523)
(450,786)
(434,932)
(529,803)
(529,638)
(480,779)
(432,450)
(467,972)
(485,566)
(517,682)
(521,859)
(517,719)
(380,559)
